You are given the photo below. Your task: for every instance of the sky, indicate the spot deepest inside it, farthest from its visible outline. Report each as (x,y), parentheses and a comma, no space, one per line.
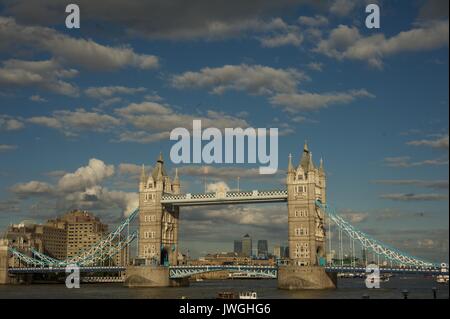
(82,109)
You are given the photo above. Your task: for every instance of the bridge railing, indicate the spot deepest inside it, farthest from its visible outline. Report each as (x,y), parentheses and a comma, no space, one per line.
(255,194)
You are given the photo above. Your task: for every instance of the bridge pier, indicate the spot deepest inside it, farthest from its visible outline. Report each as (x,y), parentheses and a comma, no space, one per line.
(305,277)
(4,263)
(152,276)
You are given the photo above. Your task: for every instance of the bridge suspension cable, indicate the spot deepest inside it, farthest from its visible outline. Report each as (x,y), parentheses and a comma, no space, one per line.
(98,253)
(369,243)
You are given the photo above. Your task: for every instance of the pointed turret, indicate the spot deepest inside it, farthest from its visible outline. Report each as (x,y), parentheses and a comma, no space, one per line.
(143,177)
(290,167)
(310,162)
(304,161)
(321,168)
(176,179)
(176,183)
(159,176)
(290,171)
(305,146)
(159,172)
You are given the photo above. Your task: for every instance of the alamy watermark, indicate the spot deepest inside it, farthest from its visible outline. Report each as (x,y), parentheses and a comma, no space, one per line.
(73,277)
(73,17)
(228,149)
(372,19)
(373,276)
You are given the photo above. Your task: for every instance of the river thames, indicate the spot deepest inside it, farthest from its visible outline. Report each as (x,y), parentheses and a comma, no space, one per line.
(418,288)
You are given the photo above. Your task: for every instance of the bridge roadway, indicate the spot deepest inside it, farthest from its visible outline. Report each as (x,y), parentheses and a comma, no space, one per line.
(45,270)
(224,198)
(263,271)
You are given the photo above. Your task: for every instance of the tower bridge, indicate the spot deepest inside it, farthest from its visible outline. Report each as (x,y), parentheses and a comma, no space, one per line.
(160,202)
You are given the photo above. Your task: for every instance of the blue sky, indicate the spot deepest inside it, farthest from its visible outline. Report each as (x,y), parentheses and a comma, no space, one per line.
(81,110)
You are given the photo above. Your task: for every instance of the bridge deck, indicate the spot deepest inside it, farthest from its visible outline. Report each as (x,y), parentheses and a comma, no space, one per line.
(44,270)
(224,198)
(190,270)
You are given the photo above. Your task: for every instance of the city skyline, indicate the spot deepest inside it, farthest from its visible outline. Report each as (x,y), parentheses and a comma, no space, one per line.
(75,127)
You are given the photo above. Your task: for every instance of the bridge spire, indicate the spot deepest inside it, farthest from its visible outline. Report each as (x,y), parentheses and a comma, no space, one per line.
(143,179)
(310,162)
(176,179)
(290,167)
(321,168)
(305,146)
(176,182)
(304,161)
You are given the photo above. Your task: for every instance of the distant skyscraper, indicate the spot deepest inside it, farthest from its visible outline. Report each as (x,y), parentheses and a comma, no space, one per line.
(263,248)
(247,245)
(277,251)
(238,247)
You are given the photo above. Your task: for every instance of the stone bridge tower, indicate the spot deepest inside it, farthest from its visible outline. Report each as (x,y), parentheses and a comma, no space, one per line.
(305,184)
(158,225)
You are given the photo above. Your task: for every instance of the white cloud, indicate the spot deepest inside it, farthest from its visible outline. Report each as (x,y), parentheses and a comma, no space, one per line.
(269,216)
(144,122)
(142,137)
(154,97)
(298,102)
(415,197)
(130,169)
(78,51)
(437,184)
(111,101)
(154,121)
(47,74)
(315,66)
(342,8)
(72,122)
(316,21)
(101,198)
(217,187)
(347,43)
(255,79)
(440,143)
(109,91)
(32,188)
(405,162)
(37,98)
(354,217)
(7,147)
(8,123)
(81,189)
(84,177)
(291,38)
